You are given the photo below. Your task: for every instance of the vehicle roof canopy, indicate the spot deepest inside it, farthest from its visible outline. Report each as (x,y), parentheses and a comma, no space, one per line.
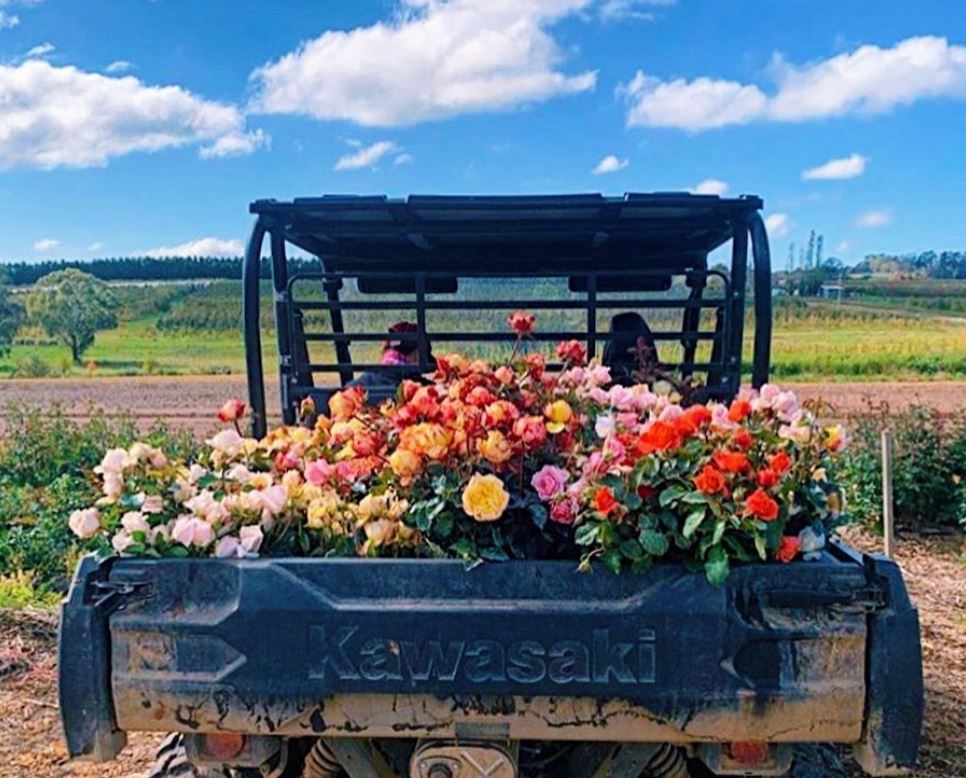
(511,234)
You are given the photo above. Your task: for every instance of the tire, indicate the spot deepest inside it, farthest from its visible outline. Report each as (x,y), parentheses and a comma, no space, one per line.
(171,761)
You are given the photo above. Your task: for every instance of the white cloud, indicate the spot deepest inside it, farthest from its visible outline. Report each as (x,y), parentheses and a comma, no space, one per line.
(874,219)
(95,246)
(445,59)
(869,80)
(845,167)
(619,10)
(7,21)
(203,247)
(40,51)
(778,224)
(46,244)
(366,156)
(403,159)
(610,164)
(844,246)
(118,66)
(711,186)
(236,144)
(690,105)
(65,117)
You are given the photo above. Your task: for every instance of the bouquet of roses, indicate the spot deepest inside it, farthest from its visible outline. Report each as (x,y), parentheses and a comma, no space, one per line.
(491,462)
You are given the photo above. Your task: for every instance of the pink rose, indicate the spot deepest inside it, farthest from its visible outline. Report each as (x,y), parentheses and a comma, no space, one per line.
(318,472)
(564,511)
(85,523)
(251,539)
(549,481)
(190,531)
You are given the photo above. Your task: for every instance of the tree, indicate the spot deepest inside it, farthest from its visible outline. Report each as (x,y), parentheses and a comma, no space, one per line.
(72,306)
(11,316)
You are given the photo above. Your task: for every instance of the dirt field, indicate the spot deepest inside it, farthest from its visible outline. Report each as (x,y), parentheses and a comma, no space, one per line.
(31,746)
(192,401)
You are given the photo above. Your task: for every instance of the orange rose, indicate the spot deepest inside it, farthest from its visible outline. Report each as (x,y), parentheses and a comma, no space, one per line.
(731,461)
(660,436)
(739,410)
(496,449)
(405,464)
(499,413)
(604,501)
(347,403)
(760,505)
(426,439)
(788,548)
(709,480)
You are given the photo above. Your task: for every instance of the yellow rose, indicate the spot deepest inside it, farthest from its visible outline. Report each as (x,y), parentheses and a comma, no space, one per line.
(261,480)
(485,497)
(321,509)
(405,464)
(559,413)
(292,481)
(496,449)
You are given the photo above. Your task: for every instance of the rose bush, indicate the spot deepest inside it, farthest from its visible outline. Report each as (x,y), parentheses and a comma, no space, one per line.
(491,462)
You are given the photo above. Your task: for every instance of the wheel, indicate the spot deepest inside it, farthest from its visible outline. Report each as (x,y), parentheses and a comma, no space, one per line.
(171,761)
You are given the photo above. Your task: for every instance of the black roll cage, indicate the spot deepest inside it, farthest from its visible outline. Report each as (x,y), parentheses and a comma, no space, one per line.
(600,245)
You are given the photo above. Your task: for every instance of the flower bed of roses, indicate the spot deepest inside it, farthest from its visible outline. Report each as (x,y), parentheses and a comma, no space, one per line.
(491,462)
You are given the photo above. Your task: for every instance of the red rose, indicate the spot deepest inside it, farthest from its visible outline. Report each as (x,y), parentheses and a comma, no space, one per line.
(731,461)
(572,351)
(767,478)
(646,492)
(604,501)
(788,548)
(781,463)
(709,480)
(521,322)
(760,505)
(742,438)
(232,410)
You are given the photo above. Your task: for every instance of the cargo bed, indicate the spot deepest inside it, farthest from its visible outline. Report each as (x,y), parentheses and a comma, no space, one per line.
(821,651)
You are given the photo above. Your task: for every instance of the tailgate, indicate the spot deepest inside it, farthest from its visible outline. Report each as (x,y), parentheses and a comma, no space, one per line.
(529,650)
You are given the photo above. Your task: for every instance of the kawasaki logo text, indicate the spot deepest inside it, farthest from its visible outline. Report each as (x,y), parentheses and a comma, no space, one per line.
(346,655)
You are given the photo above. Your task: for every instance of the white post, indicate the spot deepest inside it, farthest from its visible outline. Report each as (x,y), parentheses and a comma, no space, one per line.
(888,519)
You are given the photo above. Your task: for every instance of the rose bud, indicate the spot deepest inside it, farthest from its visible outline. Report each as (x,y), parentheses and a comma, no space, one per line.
(232,410)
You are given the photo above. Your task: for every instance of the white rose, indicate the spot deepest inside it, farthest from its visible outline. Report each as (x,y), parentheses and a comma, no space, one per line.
(114,462)
(113,486)
(605,426)
(85,523)
(271,500)
(151,503)
(121,541)
(227,547)
(240,473)
(195,472)
(191,531)
(251,539)
(227,442)
(134,521)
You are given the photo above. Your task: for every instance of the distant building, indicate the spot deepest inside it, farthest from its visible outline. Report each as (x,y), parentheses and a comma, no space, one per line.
(832,292)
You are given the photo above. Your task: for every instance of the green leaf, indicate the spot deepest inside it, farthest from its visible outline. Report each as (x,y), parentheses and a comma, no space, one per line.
(464,547)
(672,494)
(760,547)
(719,531)
(586,533)
(444,525)
(655,543)
(631,549)
(494,554)
(717,568)
(693,521)
(695,498)
(539,514)
(176,551)
(612,561)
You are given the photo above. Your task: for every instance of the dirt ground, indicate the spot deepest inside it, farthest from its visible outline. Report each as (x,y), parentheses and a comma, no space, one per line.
(31,744)
(191,401)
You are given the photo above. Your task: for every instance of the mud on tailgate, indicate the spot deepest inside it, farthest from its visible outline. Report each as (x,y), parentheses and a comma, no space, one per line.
(402,648)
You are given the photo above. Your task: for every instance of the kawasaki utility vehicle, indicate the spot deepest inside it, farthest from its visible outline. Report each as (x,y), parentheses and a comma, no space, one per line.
(320,668)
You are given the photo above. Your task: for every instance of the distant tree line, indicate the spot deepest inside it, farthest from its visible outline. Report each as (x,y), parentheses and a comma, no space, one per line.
(141,268)
(932,264)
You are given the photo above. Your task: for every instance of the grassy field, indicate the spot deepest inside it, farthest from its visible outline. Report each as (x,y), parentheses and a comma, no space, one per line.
(193,330)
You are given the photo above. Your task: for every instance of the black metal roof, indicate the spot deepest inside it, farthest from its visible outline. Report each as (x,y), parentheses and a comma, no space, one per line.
(552,232)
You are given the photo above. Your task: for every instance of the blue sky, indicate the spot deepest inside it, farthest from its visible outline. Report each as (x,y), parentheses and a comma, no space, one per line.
(136,126)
